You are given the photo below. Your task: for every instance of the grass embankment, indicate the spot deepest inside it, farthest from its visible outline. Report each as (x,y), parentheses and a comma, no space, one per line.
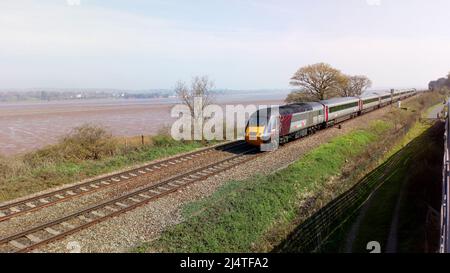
(407,195)
(86,152)
(254,214)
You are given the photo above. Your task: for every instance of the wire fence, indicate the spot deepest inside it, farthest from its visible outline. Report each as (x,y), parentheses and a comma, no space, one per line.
(310,235)
(313,232)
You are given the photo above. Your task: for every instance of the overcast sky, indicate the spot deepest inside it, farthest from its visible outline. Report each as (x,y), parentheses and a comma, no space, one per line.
(241,44)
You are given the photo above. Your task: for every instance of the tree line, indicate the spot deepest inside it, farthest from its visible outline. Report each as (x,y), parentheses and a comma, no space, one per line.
(442,83)
(314,82)
(322,81)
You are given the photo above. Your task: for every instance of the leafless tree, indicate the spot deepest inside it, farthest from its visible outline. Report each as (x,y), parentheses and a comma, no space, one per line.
(200,88)
(196,97)
(316,82)
(355,86)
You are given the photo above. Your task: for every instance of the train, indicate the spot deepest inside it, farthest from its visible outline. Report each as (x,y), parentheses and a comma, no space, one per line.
(298,120)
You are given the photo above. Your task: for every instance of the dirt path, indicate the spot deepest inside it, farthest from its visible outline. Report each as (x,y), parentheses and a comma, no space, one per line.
(433,113)
(392,243)
(351,237)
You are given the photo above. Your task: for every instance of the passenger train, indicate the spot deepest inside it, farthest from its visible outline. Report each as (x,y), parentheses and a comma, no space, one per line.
(294,121)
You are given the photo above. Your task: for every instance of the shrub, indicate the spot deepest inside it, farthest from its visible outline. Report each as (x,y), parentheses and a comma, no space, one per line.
(163,141)
(11,167)
(4,167)
(86,142)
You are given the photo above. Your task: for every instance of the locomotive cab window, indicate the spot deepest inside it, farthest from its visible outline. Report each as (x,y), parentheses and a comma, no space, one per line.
(258,120)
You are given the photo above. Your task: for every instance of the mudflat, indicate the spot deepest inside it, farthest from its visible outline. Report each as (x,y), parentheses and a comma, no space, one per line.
(27,126)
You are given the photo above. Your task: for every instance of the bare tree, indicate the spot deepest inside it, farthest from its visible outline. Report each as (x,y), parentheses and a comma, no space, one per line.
(200,88)
(196,97)
(355,86)
(316,82)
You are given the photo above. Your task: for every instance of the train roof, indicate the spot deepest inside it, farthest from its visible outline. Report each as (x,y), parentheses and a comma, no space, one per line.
(367,96)
(294,108)
(299,108)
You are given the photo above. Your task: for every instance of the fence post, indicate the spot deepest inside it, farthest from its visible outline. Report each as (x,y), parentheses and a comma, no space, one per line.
(142,140)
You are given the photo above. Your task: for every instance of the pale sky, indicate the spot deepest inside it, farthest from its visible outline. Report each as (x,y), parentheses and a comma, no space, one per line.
(240,44)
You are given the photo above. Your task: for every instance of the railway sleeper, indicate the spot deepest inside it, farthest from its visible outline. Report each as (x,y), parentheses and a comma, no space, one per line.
(97,213)
(134,199)
(52,231)
(17,244)
(33,238)
(121,205)
(111,208)
(30,205)
(14,210)
(67,225)
(84,218)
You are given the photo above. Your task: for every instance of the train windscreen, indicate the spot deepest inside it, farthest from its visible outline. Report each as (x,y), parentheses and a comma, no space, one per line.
(258,119)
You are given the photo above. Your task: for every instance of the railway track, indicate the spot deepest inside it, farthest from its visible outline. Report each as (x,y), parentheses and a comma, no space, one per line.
(32,238)
(48,199)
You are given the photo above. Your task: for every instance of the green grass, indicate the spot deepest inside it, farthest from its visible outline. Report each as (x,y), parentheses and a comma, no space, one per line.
(416,130)
(241,212)
(375,224)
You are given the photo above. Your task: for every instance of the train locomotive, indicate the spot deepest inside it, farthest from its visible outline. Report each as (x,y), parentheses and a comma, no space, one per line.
(294,121)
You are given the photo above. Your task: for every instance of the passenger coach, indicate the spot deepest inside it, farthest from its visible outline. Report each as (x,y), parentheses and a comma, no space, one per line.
(298,120)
